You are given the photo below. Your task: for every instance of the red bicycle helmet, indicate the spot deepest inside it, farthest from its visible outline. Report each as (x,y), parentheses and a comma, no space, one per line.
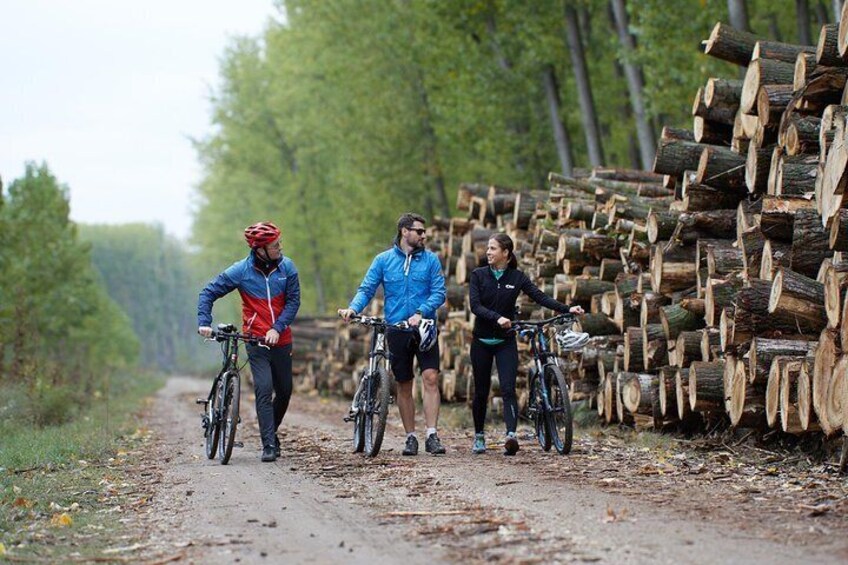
(261,234)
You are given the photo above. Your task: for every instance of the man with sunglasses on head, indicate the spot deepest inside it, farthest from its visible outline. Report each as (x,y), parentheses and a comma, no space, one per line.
(413,287)
(270,297)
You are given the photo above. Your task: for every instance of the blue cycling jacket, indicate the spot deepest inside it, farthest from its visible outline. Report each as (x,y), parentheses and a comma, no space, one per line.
(411,283)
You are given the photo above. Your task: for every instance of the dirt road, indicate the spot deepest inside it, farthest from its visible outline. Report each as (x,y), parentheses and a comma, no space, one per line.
(321,504)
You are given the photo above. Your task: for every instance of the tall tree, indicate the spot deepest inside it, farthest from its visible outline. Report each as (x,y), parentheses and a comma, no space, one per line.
(737,11)
(561,137)
(635,86)
(802,9)
(584,86)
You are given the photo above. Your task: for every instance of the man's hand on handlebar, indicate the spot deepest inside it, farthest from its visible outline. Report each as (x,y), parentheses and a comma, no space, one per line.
(577,310)
(505,323)
(346,314)
(414,320)
(205,331)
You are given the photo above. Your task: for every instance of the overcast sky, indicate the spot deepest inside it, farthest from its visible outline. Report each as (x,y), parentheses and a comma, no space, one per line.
(108,93)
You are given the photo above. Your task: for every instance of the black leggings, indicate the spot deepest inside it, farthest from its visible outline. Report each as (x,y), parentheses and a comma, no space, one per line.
(506,356)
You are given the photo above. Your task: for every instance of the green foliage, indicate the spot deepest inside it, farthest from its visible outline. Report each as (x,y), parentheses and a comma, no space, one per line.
(60,330)
(344,114)
(151,276)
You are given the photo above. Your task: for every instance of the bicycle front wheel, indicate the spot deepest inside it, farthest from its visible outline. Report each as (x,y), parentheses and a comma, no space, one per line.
(559,418)
(377,411)
(359,420)
(212,430)
(229,416)
(540,419)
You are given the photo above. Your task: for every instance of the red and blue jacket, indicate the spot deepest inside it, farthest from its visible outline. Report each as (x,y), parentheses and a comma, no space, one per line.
(267,301)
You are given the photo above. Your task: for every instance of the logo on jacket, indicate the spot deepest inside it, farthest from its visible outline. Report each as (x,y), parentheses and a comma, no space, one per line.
(510,286)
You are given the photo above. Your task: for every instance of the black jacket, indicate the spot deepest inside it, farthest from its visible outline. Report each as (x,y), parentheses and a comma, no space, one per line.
(493,298)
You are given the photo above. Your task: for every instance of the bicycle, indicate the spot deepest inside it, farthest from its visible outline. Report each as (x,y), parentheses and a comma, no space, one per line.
(220,416)
(550,401)
(370,407)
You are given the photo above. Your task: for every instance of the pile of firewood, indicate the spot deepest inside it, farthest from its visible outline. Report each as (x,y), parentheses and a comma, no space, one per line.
(715,285)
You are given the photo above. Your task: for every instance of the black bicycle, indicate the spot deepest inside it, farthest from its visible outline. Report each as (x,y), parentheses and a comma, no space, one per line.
(370,407)
(220,416)
(550,401)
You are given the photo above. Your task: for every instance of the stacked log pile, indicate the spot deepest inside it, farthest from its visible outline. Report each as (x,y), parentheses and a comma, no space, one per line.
(714,285)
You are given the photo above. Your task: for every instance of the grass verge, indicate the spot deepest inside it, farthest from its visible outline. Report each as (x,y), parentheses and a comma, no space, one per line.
(64,489)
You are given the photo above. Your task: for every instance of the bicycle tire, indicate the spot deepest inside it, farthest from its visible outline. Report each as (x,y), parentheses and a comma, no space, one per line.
(359,419)
(229,417)
(560,420)
(377,412)
(540,419)
(212,430)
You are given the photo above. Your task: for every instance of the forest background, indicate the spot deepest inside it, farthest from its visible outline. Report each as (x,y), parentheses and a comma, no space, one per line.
(340,116)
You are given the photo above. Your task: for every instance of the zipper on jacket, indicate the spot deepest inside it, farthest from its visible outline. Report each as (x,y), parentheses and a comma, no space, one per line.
(268,294)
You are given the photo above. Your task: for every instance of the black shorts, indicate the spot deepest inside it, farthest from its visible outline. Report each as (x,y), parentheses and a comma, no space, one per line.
(403,348)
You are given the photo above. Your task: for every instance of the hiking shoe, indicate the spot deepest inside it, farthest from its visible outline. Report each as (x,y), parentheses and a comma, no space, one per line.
(277,450)
(268,454)
(479,444)
(411,447)
(511,444)
(433,445)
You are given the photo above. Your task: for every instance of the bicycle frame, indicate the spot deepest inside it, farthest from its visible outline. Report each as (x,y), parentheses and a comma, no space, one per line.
(540,349)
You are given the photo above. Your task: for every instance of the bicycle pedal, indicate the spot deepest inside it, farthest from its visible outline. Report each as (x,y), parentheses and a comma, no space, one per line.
(201,401)
(349,418)
(238,444)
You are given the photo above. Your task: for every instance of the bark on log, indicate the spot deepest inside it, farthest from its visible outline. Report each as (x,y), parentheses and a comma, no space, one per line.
(721,168)
(779,364)
(763,352)
(772,100)
(706,386)
(827,47)
(810,243)
(688,348)
(713,133)
(757,166)
(802,136)
(799,298)
(762,72)
(681,381)
(730,44)
(775,254)
(676,156)
(790,420)
(722,98)
(747,402)
(779,51)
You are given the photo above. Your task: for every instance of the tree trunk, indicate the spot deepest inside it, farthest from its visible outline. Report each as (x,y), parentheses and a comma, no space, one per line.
(802,10)
(561,137)
(584,87)
(635,85)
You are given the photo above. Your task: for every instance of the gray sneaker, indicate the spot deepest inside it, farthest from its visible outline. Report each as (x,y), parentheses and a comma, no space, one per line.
(411,447)
(433,445)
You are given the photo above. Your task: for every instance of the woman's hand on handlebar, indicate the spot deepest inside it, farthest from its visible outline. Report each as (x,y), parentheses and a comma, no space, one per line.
(505,323)
(205,331)
(576,310)
(346,314)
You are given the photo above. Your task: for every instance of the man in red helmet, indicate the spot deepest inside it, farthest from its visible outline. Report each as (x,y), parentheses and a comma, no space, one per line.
(270,296)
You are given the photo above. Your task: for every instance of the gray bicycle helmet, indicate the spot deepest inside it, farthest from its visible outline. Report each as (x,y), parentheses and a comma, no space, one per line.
(569,340)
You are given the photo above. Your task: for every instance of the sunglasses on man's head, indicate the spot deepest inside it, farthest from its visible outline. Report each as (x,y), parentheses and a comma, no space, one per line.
(419,231)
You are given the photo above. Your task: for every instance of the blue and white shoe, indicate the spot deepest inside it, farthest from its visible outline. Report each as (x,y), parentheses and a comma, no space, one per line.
(479,444)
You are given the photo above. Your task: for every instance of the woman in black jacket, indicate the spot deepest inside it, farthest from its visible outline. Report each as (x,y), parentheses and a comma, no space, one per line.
(493,292)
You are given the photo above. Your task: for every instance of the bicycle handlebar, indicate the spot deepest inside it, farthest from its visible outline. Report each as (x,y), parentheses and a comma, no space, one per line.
(558,318)
(380,322)
(220,335)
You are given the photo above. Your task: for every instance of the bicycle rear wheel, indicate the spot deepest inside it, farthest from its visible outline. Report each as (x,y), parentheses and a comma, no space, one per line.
(212,430)
(540,419)
(229,416)
(377,411)
(560,420)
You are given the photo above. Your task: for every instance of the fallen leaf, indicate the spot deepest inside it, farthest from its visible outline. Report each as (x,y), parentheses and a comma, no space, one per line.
(22,502)
(61,520)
